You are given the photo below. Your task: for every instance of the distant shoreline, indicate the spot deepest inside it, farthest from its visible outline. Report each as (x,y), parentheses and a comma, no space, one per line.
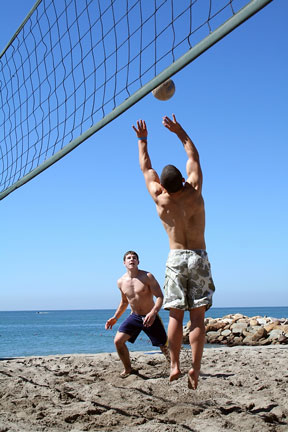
(234,308)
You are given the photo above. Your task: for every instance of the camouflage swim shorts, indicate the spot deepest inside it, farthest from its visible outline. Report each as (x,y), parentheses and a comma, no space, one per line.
(188,280)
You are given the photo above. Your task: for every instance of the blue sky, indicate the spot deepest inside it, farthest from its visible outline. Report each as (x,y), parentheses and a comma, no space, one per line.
(63,235)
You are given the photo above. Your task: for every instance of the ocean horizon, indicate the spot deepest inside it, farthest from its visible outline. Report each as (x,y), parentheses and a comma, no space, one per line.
(53,332)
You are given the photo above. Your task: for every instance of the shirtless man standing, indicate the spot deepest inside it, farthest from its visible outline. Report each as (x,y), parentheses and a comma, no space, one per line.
(137,289)
(188,280)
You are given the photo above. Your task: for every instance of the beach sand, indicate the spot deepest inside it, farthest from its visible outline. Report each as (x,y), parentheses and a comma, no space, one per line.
(240,389)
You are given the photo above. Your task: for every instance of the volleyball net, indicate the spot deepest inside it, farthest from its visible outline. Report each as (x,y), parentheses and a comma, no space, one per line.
(73,66)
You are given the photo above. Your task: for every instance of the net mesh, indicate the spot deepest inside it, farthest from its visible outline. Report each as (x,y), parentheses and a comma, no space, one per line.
(73,62)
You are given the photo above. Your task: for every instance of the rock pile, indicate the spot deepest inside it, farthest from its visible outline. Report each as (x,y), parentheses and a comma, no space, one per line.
(238,329)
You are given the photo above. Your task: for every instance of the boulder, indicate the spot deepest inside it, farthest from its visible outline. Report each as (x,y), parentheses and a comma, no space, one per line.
(262,321)
(253,322)
(283,339)
(236,341)
(249,341)
(210,321)
(247,332)
(264,342)
(238,328)
(275,334)
(271,326)
(259,334)
(250,330)
(225,332)
(215,326)
(213,334)
(239,316)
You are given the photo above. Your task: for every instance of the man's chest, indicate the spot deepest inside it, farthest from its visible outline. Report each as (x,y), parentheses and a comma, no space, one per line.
(134,287)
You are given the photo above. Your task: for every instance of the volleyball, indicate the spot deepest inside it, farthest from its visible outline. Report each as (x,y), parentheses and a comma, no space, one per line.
(165,90)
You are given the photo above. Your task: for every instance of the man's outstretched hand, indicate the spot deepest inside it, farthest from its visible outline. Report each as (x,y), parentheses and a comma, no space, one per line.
(141,129)
(172,125)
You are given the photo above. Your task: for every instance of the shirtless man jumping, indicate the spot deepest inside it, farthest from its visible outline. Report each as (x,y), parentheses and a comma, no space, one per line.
(137,289)
(188,280)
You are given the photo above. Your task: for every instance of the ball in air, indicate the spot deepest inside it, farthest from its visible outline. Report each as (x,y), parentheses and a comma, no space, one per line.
(165,90)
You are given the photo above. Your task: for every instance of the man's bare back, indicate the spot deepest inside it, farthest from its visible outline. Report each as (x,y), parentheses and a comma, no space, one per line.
(183,217)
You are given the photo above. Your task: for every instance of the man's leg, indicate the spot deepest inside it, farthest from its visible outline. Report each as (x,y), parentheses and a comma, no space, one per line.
(197,341)
(175,338)
(158,337)
(123,352)
(165,351)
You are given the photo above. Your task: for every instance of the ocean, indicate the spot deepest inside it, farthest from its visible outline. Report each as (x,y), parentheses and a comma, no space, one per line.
(39,333)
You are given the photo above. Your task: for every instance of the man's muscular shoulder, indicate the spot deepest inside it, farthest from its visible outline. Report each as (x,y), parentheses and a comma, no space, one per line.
(143,274)
(120,280)
(147,278)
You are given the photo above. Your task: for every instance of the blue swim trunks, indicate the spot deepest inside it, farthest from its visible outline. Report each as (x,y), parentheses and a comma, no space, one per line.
(133,325)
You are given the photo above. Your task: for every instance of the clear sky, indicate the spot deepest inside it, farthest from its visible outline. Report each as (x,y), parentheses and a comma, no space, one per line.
(63,234)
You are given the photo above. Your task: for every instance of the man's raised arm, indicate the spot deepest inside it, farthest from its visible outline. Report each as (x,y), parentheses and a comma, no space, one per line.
(151,177)
(193,166)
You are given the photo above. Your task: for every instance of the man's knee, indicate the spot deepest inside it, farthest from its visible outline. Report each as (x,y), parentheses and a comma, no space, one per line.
(120,340)
(176,314)
(117,341)
(197,316)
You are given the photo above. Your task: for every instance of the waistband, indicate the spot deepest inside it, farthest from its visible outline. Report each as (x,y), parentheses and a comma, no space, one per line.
(138,315)
(201,252)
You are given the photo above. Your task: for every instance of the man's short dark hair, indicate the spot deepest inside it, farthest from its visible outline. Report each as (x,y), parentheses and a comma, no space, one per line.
(131,253)
(171,179)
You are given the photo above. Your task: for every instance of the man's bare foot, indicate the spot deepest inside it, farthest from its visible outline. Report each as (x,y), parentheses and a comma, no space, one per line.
(126,373)
(193,379)
(174,374)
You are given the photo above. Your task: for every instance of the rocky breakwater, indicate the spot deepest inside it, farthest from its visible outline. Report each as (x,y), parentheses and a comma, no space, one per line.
(238,329)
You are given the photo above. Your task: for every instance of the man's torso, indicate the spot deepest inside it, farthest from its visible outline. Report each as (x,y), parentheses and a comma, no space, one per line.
(138,292)
(183,217)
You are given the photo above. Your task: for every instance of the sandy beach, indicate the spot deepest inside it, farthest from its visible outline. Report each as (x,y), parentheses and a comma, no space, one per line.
(240,389)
